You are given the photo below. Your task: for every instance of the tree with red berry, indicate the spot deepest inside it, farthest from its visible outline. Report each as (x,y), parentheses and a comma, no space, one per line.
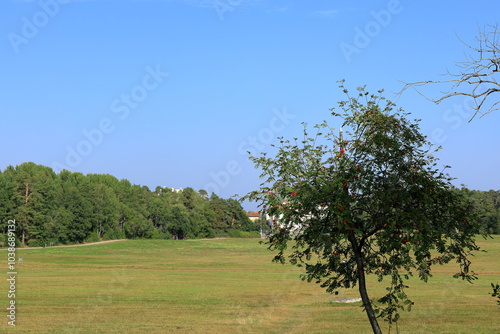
(369,201)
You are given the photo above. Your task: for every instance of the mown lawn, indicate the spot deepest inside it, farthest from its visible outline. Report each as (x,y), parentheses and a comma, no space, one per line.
(221,286)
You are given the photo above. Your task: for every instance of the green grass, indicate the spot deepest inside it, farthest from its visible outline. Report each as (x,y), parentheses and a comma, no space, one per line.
(221,286)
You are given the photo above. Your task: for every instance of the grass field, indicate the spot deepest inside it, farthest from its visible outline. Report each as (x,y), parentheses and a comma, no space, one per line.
(221,286)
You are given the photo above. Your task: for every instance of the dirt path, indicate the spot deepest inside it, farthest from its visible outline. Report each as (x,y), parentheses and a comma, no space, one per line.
(76,245)
(218,238)
(105,242)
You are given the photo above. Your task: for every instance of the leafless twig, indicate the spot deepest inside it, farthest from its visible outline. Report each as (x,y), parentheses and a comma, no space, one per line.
(476,77)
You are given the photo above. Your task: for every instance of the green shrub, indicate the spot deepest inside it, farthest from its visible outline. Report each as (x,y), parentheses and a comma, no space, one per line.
(113,234)
(157,234)
(242,234)
(92,237)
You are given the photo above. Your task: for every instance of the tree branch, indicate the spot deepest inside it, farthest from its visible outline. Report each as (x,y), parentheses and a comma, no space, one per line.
(480,72)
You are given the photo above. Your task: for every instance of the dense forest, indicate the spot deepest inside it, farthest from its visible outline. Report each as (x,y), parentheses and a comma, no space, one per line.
(487,205)
(68,207)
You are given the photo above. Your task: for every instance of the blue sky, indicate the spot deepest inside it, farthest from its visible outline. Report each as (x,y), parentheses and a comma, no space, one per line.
(173,93)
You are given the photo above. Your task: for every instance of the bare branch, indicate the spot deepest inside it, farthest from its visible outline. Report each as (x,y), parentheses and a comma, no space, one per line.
(476,76)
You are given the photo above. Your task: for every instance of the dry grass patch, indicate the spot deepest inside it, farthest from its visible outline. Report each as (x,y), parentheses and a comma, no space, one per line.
(222,286)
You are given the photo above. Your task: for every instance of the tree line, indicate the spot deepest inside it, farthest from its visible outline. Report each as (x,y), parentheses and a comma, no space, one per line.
(487,205)
(70,207)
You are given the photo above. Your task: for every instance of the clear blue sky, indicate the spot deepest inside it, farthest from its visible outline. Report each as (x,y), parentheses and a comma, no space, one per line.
(172,93)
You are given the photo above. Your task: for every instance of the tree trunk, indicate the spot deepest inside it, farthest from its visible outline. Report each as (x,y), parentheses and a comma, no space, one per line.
(362,285)
(366,302)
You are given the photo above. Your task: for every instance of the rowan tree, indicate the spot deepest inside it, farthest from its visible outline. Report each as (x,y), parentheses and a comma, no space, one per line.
(371,200)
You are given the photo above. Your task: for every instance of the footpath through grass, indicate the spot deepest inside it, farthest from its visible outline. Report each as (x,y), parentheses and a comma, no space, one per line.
(220,286)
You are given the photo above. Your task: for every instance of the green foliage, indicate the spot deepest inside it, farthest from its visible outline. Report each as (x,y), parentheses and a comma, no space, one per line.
(39,243)
(496,292)
(33,198)
(369,201)
(92,237)
(157,234)
(114,234)
(73,208)
(228,214)
(232,233)
(487,205)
